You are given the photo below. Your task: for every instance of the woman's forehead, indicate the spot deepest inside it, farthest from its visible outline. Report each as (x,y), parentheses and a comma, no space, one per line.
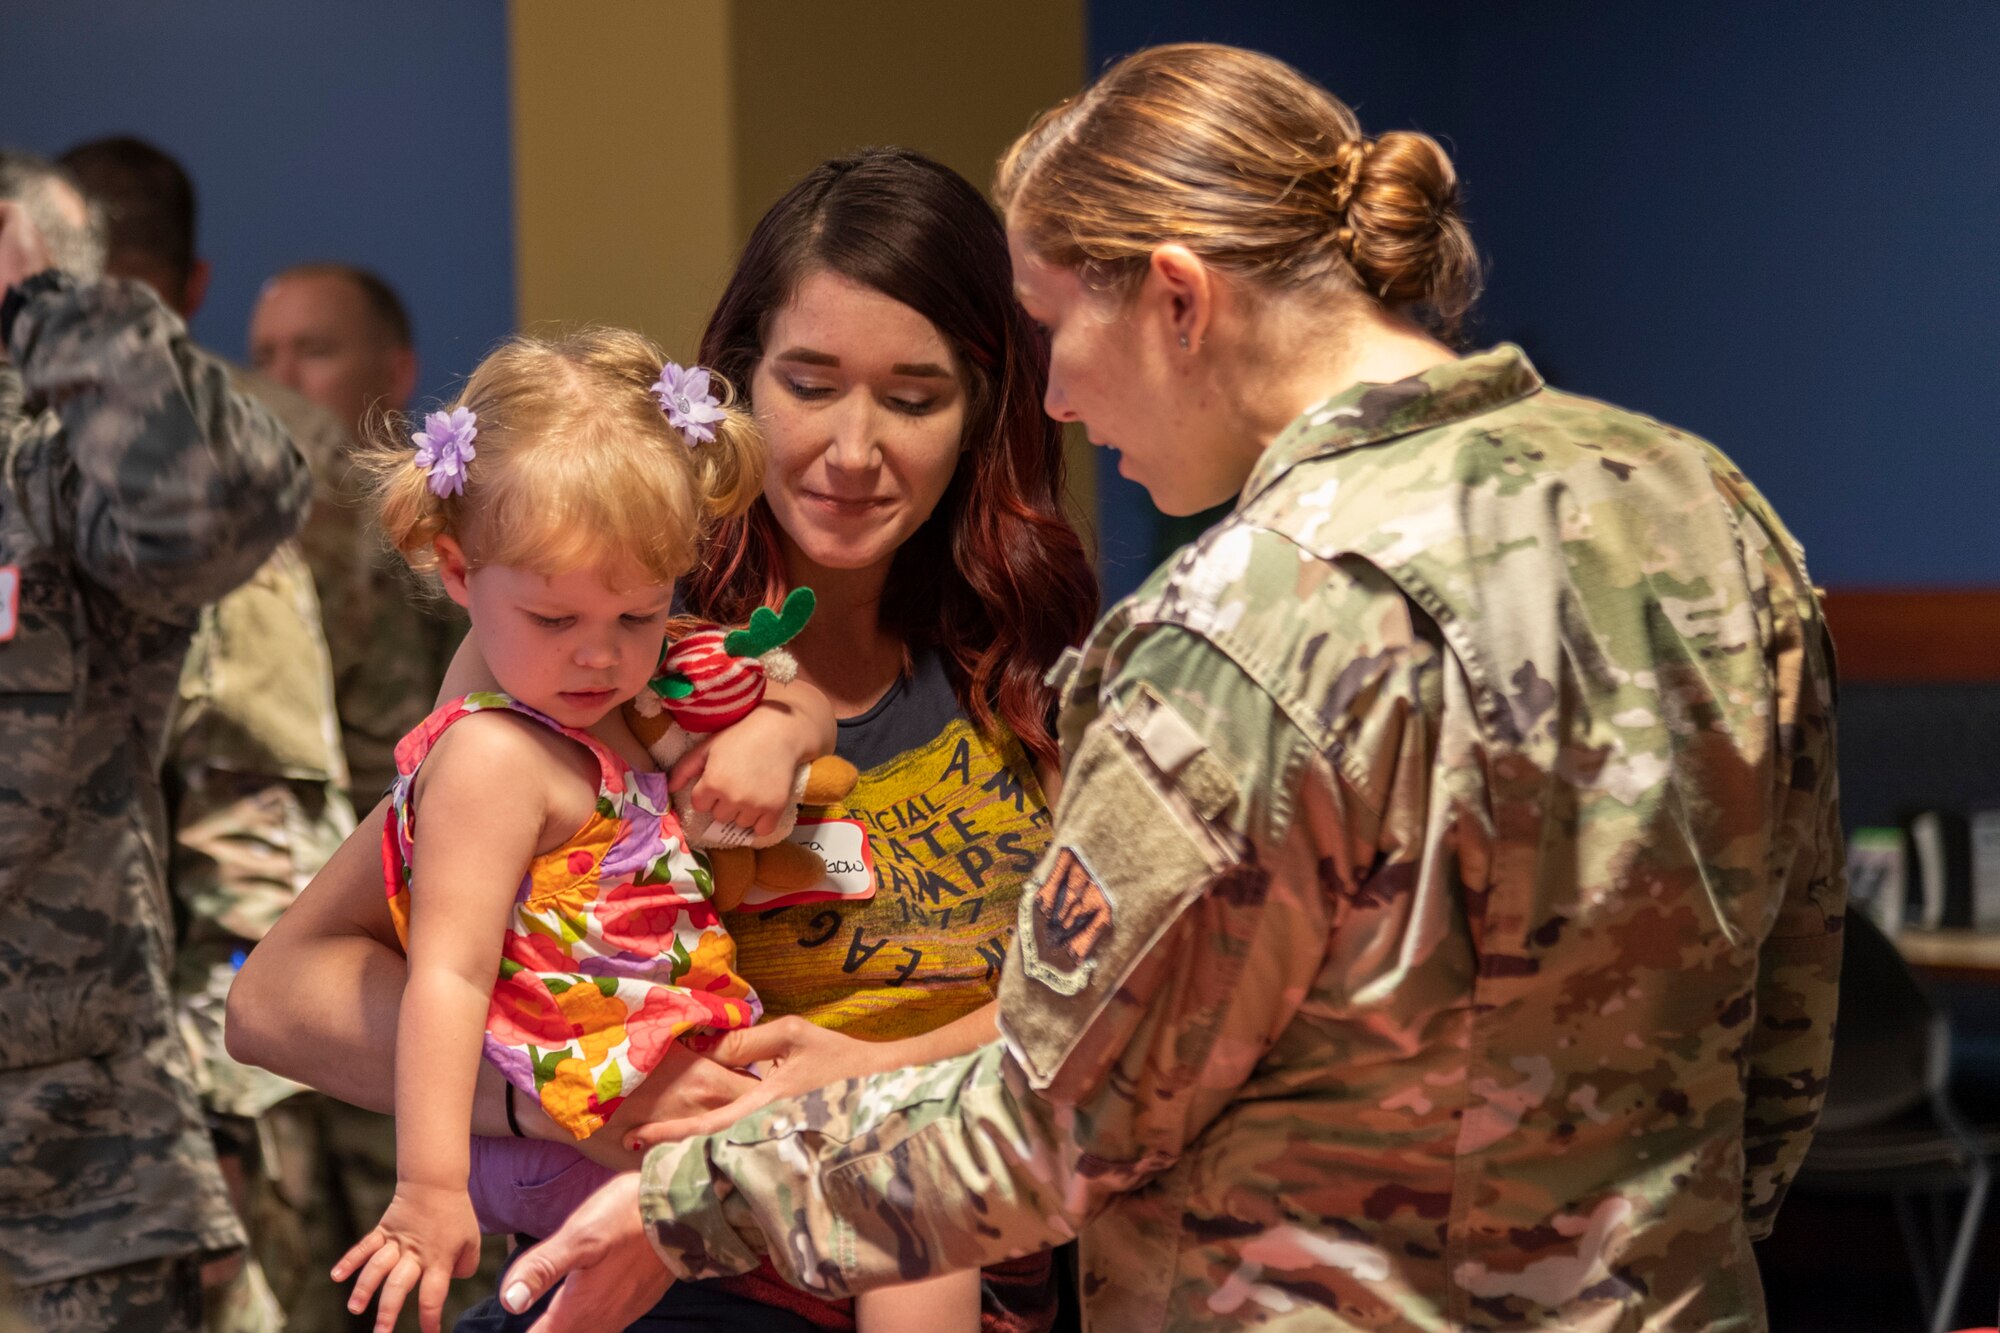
(833,316)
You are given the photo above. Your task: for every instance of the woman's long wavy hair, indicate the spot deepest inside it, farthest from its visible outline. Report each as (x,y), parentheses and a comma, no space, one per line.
(996,579)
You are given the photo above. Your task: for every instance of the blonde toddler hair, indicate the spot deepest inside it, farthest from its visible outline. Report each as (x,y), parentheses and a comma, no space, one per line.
(576,465)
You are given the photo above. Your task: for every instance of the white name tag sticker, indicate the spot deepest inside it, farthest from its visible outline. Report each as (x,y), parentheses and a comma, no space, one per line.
(850,866)
(10,601)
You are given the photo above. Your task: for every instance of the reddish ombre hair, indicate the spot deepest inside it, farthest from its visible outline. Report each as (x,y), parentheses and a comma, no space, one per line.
(996,579)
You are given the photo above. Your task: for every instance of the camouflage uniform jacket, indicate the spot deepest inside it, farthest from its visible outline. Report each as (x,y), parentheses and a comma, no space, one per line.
(256,779)
(391,639)
(1441,927)
(134,487)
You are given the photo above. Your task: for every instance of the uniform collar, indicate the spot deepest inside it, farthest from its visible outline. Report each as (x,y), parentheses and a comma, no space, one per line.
(1370,413)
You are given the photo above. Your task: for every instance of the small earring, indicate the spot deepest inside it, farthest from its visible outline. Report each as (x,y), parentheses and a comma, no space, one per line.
(1184,342)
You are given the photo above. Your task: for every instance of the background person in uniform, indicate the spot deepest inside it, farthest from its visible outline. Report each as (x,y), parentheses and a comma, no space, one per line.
(258,782)
(139,485)
(340,336)
(1443,922)
(255,777)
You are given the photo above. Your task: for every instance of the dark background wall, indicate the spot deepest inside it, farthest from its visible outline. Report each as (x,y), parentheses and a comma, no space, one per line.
(370,131)
(1771,224)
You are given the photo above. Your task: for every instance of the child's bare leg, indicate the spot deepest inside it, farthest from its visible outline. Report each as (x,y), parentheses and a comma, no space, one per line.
(948,1304)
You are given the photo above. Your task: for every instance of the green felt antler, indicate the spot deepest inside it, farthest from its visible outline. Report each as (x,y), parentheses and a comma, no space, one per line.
(768,630)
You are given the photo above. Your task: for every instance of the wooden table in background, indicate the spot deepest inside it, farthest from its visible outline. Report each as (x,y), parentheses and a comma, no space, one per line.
(1963,955)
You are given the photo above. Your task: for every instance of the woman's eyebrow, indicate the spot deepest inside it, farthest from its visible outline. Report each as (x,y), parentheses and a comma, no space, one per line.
(910,369)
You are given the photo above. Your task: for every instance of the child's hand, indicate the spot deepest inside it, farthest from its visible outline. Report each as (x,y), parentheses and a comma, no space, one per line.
(428,1237)
(745,775)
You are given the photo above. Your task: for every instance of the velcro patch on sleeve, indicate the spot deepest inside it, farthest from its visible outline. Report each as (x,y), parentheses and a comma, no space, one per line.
(1071,917)
(1129,855)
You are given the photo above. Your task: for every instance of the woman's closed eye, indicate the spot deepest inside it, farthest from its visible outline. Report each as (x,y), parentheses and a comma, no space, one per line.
(819,393)
(807,393)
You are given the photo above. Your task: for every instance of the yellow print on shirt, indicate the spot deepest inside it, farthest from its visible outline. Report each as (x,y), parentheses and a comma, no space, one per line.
(955,827)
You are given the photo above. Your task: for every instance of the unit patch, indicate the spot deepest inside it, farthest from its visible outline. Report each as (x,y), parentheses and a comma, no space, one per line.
(1070,918)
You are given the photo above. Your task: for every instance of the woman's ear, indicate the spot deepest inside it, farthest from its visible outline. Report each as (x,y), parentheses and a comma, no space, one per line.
(453,569)
(1185,285)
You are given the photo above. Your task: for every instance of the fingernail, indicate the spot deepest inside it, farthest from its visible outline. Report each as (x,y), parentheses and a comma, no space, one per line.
(515,1298)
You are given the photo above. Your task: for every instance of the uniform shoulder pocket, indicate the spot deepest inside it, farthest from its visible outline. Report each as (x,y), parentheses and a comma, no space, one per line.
(1128,855)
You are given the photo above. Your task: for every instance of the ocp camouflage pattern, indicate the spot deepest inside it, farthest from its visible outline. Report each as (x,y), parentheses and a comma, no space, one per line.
(1442,924)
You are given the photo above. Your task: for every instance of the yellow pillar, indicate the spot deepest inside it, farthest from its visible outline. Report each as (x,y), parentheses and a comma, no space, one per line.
(624,163)
(650,135)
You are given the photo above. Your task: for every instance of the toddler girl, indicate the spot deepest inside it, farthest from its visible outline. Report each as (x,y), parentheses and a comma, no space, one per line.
(531,838)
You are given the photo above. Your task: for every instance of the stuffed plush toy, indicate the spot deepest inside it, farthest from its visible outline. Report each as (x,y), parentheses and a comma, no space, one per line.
(708,680)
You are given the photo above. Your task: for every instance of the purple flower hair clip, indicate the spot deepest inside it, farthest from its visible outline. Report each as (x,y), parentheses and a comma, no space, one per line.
(444,447)
(690,407)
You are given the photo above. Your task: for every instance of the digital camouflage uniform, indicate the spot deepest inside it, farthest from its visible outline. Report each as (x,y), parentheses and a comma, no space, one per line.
(1442,922)
(137,487)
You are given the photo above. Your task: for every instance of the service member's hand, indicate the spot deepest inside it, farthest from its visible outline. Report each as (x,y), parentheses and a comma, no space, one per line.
(23,252)
(608,1270)
(684,1084)
(790,1055)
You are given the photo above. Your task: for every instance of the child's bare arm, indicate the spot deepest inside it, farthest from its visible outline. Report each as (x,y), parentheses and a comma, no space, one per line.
(475,838)
(743,775)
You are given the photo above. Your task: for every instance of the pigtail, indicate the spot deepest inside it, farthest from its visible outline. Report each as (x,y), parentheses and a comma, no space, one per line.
(410,514)
(730,468)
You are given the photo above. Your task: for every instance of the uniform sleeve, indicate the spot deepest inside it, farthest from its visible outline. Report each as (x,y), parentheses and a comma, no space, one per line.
(254,778)
(1168,938)
(1798,968)
(166,485)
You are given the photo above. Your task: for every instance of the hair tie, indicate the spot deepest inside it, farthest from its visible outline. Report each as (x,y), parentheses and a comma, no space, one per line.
(690,407)
(444,447)
(1349,160)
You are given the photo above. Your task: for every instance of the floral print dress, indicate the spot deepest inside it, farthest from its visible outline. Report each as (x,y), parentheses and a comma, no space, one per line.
(613,950)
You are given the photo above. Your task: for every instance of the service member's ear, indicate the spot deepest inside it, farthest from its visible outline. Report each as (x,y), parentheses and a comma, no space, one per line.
(1183,289)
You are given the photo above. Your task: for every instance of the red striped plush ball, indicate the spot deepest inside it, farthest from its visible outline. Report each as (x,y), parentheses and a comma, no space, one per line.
(726,688)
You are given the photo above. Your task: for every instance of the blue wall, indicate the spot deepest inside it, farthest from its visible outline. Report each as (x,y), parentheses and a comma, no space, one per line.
(1771,224)
(371,131)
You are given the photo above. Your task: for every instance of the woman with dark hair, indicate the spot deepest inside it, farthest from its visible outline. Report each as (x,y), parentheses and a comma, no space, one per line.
(914,484)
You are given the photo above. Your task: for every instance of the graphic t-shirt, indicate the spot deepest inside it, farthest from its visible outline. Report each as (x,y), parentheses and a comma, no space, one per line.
(947,824)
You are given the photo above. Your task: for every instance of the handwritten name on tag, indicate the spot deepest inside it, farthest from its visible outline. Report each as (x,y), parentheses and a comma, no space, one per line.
(850,866)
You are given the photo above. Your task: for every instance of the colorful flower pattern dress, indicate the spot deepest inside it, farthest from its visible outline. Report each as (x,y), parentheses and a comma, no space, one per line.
(613,950)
